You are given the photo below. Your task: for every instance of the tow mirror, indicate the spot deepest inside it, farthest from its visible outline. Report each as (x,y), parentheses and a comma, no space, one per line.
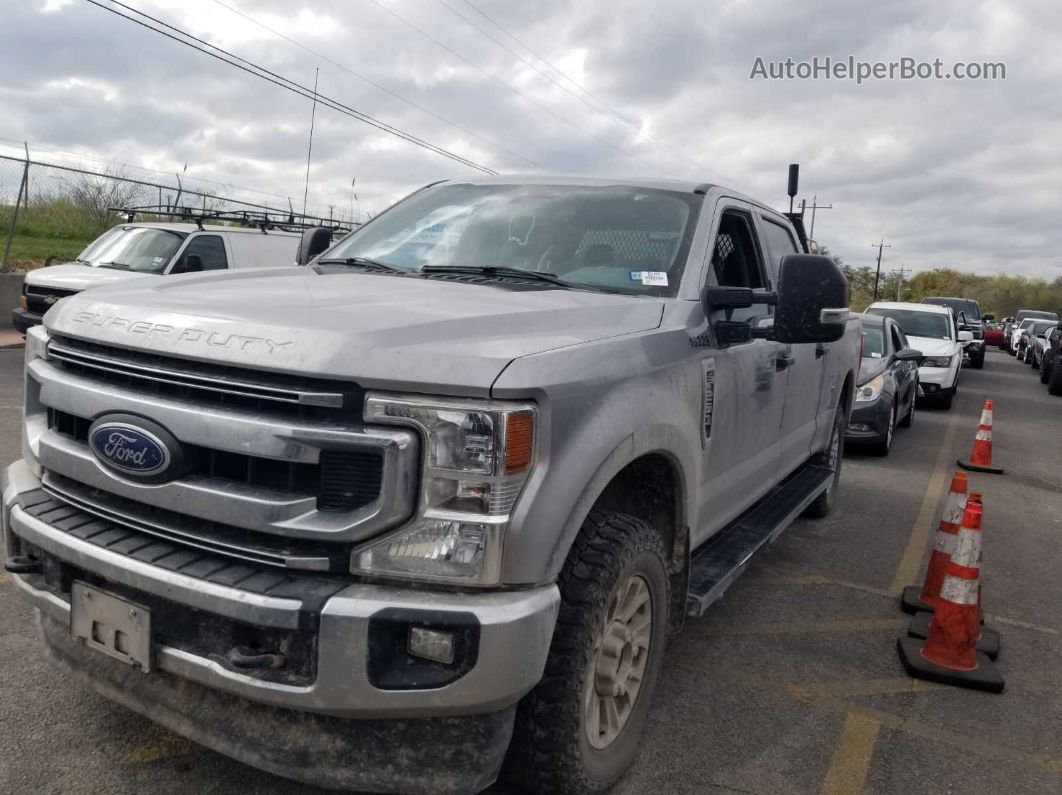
(314,240)
(812,300)
(988,318)
(189,263)
(908,355)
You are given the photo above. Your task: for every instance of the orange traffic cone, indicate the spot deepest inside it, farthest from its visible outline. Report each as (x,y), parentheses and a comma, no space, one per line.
(989,640)
(981,457)
(914,598)
(949,654)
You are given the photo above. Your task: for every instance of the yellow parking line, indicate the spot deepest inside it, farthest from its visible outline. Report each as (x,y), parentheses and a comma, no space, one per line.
(916,544)
(812,627)
(848,769)
(164,746)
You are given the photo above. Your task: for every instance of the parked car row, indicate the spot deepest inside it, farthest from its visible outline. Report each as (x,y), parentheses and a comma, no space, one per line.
(1037,344)
(911,353)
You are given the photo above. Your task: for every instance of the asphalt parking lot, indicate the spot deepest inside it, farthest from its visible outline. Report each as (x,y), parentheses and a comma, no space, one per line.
(790,684)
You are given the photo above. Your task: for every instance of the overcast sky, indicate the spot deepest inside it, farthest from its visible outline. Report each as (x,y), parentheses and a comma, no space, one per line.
(960,173)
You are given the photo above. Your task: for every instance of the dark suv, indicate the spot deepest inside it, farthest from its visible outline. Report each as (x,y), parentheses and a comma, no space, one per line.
(968,316)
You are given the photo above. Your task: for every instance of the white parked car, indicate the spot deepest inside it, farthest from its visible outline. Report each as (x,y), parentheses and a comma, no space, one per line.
(149,251)
(930,329)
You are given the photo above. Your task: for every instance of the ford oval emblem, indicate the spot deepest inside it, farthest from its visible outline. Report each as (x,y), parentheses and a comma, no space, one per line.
(129,447)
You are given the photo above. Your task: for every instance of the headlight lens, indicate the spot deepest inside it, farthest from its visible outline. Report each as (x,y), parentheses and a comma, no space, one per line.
(870,390)
(478,456)
(937,361)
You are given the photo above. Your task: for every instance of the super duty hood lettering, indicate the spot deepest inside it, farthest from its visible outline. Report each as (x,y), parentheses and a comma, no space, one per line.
(187,334)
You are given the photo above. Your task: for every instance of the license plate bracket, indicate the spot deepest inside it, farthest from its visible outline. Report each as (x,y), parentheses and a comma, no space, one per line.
(116,627)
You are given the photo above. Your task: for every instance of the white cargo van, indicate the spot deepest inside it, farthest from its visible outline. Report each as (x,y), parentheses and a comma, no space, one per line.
(148,251)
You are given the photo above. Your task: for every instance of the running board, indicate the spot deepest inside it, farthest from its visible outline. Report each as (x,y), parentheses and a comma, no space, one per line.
(723,558)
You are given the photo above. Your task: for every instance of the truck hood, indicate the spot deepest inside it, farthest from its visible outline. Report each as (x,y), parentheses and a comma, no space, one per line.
(74,276)
(933,347)
(395,332)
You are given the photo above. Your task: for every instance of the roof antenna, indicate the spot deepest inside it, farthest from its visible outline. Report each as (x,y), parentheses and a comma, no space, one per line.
(794,181)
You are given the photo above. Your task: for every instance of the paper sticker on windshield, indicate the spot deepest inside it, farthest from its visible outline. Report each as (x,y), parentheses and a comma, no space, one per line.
(654,278)
(708,382)
(158,259)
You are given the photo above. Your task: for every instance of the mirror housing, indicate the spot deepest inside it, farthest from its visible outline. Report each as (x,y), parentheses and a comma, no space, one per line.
(909,355)
(988,318)
(812,300)
(314,241)
(966,336)
(189,263)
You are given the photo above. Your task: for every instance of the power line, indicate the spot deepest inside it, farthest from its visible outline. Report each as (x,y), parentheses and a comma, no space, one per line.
(503,83)
(603,108)
(285,83)
(379,86)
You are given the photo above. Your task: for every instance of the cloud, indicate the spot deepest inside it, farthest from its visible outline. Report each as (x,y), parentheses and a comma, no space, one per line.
(958,173)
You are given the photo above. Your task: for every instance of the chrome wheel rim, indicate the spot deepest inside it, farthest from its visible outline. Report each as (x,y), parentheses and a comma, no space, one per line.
(619,661)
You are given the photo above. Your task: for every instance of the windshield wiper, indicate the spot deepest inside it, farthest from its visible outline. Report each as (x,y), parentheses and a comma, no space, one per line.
(362,262)
(120,265)
(513,273)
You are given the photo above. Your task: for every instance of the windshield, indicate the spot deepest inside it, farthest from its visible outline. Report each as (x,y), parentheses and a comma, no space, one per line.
(918,324)
(1041,326)
(969,308)
(134,248)
(873,343)
(618,239)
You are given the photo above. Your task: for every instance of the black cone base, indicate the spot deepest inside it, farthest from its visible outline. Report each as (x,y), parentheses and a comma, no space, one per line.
(990,639)
(985,677)
(911,601)
(975,468)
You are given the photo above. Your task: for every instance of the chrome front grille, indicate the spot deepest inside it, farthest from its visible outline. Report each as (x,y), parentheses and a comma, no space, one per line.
(207,383)
(340,481)
(280,470)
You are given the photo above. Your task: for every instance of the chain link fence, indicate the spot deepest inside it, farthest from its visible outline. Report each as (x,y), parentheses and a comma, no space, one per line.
(50,211)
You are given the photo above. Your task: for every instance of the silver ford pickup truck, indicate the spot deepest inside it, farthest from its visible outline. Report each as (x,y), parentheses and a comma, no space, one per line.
(424,512)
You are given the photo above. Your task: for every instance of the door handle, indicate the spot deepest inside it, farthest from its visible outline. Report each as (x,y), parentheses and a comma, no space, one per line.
(821,349)
(783,361)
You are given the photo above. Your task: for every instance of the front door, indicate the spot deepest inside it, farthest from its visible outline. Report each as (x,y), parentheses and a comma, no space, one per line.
(741,449)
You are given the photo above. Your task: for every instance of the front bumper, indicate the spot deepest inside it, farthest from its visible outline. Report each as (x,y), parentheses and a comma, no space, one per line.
(869,420)
(23,320)
(515,628)
(935,380)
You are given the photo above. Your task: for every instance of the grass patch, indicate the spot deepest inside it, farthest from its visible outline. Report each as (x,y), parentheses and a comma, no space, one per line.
(55,229)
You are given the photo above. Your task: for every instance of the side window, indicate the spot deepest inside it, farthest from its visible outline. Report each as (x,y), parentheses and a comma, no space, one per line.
(735,259)
(899,342)
(211,249)
(780,241)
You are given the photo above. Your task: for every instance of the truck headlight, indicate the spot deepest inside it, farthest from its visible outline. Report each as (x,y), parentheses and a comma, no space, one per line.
(937,361)
(870,390)
(478,456)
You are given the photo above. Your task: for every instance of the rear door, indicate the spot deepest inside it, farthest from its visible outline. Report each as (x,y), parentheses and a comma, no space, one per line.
(804,367)
(741,444)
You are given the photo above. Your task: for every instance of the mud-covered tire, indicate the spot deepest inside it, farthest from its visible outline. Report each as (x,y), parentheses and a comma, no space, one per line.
(551,750)
(824,504)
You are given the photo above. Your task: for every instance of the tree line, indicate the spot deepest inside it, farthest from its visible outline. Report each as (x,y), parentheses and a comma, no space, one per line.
(1000,295)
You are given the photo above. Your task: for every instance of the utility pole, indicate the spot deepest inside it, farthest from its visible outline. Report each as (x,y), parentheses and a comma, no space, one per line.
(877,275)
(816,206)
(900,272)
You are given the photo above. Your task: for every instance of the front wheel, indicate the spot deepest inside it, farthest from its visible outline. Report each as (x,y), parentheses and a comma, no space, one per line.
(578,729)
(1045,371)
(1054,383)
(830,458)
(947,399)
(883,447)
(908,418)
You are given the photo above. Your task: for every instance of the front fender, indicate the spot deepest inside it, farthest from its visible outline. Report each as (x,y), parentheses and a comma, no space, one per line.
(608,404)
